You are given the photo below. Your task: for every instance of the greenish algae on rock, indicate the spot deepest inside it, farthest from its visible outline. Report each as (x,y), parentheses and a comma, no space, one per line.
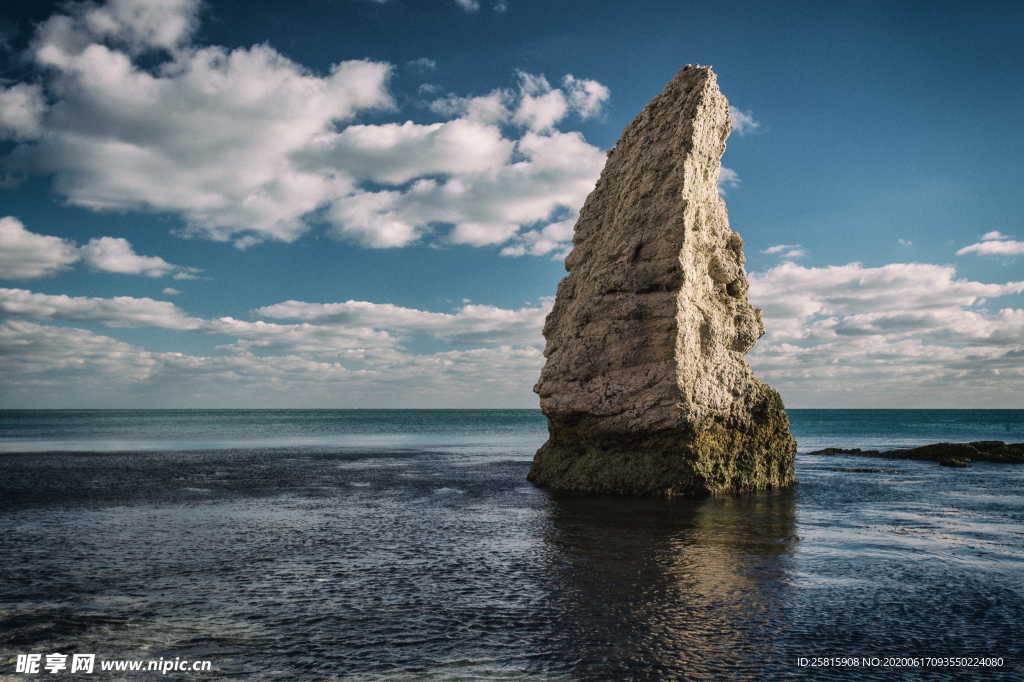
(646,386)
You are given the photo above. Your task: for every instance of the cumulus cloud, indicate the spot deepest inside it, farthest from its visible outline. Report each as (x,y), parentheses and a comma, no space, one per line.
(353,352)
(897,335)
(586,96)
(468,5)
(170,291)
(119,311)
(541,107)
(855,289)
(247,146)
(995,234)
(786,251)
(547,173)
(302,338)
(21,112)
(553,237)
(904,242)
(49,365)
(541,111)
(727,178)
(394,153)
(26,255)
(311,327)
(136,25)
(488,109)
(470,324)
(209,133)
(743,122)
(994,244)
(113,254)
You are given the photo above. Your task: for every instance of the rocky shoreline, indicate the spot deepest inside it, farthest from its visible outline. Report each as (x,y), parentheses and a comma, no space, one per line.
(947,454)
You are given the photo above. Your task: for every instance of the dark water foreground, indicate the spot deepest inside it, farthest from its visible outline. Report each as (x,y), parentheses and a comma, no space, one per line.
(338,562)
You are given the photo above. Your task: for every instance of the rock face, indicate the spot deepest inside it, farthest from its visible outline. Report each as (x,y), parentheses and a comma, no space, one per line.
(947,454)
(646,387)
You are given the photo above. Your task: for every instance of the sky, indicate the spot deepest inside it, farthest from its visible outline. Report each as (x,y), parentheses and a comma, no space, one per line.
(367,203)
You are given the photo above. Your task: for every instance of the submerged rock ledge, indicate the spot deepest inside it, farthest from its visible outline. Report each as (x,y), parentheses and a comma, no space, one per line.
(947,454)
(646,386)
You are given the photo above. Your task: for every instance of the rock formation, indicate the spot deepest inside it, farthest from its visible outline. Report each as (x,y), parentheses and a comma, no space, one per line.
(947,454)
(646,387)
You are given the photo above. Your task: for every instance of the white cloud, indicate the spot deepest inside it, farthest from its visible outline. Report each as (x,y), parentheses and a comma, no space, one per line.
(303,338)
(743,122)
(113,254)
(786,251)
(470,324)
(586,96)
(143,24)
(896,335)
(209,133)
(170,291)
(26,255)
(247,146)
(488,109)
(314,327)
(994,244)
(904,242)
(422,64)
(541,107)
(136,25)
(892,336)
(541,112)
(500,6)
(468,5)
(21,112)
(994,234)
(373,220)
(554,237)
(120,311)
(395,154)
(132,25)
(343,354)
(852,289)
(727,177)
(48,365)
(546,174)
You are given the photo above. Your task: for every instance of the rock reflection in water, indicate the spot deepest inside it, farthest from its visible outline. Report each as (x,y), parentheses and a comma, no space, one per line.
(668,588)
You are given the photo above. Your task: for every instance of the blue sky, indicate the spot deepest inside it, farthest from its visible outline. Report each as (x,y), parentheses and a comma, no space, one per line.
(352,203)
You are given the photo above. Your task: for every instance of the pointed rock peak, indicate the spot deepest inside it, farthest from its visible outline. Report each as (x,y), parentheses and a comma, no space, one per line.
(646,386)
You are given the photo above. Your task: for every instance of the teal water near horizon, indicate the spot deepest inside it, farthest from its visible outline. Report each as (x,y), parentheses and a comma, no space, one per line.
(408,545)
(123,430)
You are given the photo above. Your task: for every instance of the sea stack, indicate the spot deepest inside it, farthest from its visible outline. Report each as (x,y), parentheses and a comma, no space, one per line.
(646,386)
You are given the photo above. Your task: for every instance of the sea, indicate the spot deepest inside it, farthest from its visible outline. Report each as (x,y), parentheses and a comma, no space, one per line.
(408,545)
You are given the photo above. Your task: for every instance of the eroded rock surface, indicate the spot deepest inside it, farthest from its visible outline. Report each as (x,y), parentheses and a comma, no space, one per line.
(948,454)
(646,387)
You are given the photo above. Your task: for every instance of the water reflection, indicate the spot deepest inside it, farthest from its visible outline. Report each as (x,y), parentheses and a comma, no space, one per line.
(658,589)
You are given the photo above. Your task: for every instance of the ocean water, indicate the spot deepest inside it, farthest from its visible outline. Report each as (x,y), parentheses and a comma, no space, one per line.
(377,544)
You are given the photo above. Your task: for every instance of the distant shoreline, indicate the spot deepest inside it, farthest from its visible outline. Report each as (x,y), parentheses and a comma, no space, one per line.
(463,409)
